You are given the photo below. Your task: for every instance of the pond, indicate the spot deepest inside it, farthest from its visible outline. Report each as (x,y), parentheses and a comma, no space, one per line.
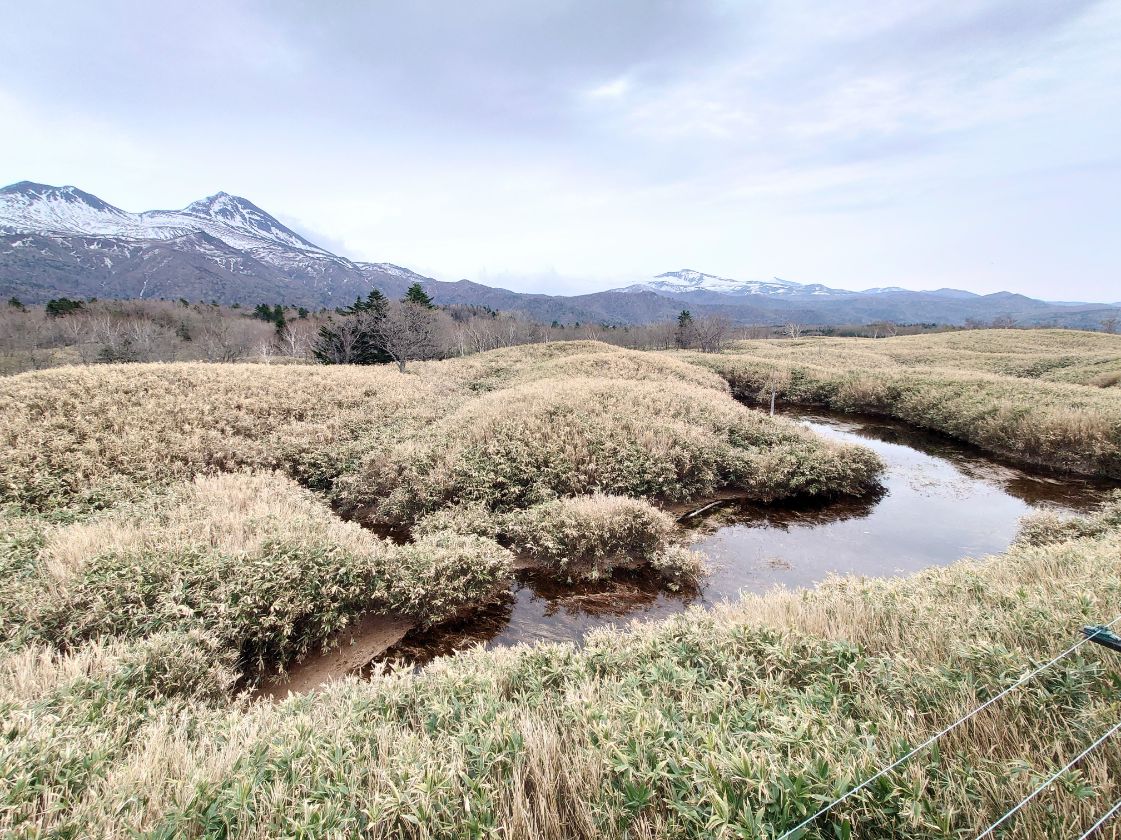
(941,501)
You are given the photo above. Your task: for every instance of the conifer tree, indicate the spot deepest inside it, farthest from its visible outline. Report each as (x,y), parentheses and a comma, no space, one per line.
(416,294)
(352,339)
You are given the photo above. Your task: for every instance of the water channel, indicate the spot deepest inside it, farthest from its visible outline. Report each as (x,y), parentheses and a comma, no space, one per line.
(941,501)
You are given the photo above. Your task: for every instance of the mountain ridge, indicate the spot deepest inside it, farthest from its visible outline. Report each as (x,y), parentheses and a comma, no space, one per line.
(63,241)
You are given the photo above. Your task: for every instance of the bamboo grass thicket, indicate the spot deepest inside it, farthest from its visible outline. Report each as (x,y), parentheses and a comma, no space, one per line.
(737,721)
(168,531)
(1046,397)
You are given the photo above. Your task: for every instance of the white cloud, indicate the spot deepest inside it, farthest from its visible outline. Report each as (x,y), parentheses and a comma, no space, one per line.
(950,143)
(615,89)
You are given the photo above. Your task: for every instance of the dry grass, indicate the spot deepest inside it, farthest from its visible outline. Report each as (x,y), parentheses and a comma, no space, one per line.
(581,537)
(150,559)
(1032,395)
(725,724)
(531,443)
(83,438)
(260,566)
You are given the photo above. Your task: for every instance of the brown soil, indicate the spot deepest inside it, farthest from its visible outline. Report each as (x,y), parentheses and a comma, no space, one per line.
(350,650)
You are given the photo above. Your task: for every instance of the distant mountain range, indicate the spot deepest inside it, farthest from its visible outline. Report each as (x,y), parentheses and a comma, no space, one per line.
(61,241)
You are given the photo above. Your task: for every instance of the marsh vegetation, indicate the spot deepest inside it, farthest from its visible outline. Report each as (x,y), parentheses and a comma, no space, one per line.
(174,535)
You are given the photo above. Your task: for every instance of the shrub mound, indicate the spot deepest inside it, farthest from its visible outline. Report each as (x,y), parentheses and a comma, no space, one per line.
(540,441)
(579,538)
(260,565)
(587,536)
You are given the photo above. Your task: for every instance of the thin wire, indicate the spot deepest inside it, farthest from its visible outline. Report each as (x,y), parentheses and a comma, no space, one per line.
(1105,817)
(942,732)
(1054,776)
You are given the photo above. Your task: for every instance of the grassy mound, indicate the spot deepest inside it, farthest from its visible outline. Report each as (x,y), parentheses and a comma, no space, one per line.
(87,438)
(579,538)
(533,443)
(732,723)
(1040,396)
(82,438)
(259,565)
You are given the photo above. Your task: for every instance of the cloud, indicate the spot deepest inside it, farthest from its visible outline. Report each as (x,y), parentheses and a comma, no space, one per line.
(563,140)
(614,89)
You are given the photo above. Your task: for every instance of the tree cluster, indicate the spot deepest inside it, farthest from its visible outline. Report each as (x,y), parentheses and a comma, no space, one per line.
(375,330)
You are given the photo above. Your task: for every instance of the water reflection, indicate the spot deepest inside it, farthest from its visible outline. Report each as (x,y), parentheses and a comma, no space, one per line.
(940,501)
(539,609)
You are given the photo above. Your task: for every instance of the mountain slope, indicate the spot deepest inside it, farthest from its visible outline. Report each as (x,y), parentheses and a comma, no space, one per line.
(62,241)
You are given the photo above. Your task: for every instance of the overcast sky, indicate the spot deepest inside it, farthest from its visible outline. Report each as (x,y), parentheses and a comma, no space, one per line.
(573,146)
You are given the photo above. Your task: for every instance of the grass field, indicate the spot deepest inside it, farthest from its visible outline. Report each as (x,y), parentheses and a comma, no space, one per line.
(152,496)
(1050,397)
(170,533)
(726,724)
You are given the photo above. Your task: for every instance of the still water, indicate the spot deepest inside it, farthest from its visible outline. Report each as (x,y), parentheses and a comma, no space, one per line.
(941,501)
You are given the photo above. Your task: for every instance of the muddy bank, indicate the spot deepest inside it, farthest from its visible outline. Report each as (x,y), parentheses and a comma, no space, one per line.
(347,652)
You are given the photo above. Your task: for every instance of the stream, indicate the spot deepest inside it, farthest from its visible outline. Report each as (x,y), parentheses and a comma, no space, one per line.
(942,501)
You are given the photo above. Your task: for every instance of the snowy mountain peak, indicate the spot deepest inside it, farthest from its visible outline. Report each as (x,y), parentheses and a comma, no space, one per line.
(243,215)
(688,281)
(28,207)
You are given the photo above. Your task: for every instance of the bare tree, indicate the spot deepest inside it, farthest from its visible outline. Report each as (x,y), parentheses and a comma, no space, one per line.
(220,342)
(712,332)
(793,330)
(882,328)
(1109,324)
(295,340)
(407,333)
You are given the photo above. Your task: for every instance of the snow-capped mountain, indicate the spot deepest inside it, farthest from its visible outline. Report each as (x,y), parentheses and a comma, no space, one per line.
(222,247)
(689,282)
(63,242)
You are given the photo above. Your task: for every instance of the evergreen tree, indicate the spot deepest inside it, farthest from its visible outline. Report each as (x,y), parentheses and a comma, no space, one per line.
(686,332)
(416,294)
(16,303)
(59,307)
(352,339)
(375,304)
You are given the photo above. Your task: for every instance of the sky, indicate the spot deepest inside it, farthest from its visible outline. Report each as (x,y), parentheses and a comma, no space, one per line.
(568,146)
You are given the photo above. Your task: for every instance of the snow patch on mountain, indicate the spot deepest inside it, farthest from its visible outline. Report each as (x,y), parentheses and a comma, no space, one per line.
(686,281)
(27,207)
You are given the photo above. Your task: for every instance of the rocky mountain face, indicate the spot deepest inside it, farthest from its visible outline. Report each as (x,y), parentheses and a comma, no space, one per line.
(61,241)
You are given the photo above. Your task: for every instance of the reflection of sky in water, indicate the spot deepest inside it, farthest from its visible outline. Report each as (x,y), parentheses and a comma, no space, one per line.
(942,501)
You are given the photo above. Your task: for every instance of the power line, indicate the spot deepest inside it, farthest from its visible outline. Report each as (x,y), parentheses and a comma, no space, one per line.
(810,819)
(1052,778)
(1104,818)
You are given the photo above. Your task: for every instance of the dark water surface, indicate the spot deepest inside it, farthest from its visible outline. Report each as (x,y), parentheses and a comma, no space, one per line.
(941,501)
